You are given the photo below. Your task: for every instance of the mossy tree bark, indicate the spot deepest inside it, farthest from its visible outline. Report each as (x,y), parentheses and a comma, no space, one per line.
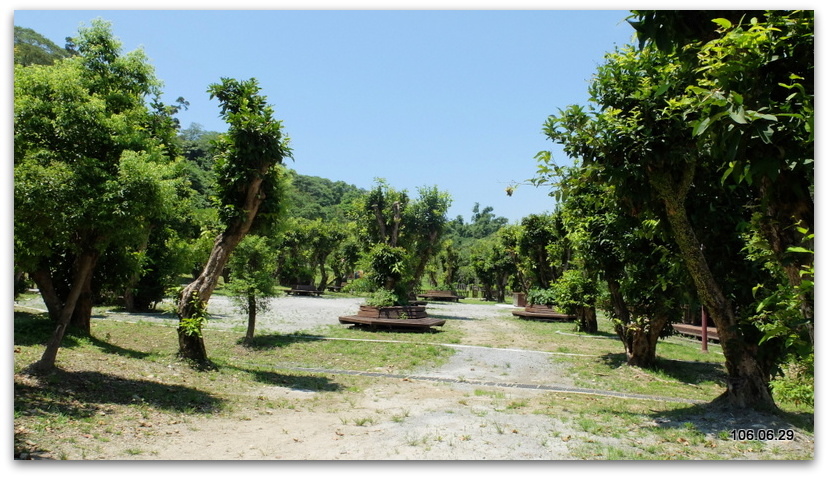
(747,382)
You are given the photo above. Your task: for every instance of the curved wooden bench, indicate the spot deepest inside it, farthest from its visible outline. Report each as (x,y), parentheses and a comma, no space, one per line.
(403,316)
(696,331)
(440,295)
(304,290)
(542,313)
(375,322)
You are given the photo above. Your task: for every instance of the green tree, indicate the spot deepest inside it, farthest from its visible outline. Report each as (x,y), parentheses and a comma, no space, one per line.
(32,48)
(323,238)
(90,168)
(575,292)
(544,249)
(401,235)
(253,279)
(312,197)
(426,223)
(752,108)
(294,260)
(640,139)
(493,262)
(630,254)
(248,171)
(344,257)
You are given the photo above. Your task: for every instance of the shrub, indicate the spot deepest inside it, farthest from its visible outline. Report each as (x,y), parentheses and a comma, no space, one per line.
(796,384)
(383,298)
(541,297)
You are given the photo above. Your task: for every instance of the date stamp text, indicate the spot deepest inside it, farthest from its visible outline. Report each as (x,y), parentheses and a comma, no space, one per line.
(761,434)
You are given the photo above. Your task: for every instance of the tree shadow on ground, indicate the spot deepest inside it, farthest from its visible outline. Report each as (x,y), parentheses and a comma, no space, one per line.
(295,381)
(719,419)
(272,341)
(78,394)
(692,373)
(391,328)
(37,329)
(451,317)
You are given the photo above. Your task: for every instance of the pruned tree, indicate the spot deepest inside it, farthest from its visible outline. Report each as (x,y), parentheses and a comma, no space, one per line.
(401,234)
(427,223)
(247,169)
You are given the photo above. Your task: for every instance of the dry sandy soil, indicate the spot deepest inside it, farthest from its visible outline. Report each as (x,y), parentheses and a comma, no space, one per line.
(394,418)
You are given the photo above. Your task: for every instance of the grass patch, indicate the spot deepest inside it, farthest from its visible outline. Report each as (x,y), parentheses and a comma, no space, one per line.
(611,429)
(126,377)
(598,361)
(126,374)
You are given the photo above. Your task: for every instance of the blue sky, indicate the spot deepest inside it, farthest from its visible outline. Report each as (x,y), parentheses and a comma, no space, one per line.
(455,99)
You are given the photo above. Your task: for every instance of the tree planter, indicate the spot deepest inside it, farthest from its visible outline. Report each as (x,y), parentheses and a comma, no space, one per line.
(402,312)
(402,316)
(543,313)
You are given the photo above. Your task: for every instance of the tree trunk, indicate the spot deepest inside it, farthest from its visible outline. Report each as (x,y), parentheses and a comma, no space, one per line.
(323,276)
(587,319)
(395,232)
(641,342)
(192,303)
(43,279)
(251,316)
(747,383)
(619,305)
(82,315)
(18,276)
(129,290)
(83,268)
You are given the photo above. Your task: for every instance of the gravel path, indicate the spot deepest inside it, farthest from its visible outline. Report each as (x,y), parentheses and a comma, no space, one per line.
(467,409)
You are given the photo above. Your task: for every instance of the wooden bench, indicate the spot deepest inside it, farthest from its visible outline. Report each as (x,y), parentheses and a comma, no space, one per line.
(445,295)
(542,313)
(304,290)
(375,322)
(696,331)
(393,317)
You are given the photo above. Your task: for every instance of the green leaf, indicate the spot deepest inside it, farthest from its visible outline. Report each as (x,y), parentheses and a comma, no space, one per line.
(723,23)
(738,115)
(800,249)
(765,133)
(701,126)
(728,171)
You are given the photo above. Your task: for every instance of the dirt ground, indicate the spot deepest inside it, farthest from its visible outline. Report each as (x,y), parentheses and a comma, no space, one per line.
(395,418)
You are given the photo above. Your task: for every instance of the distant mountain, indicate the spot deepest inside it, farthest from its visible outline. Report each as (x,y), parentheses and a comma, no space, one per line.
(313,197)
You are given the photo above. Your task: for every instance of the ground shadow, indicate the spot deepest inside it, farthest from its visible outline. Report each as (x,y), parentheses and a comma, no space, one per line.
(718,419)
(391,328)
(37,329)
(450,317)
(686,372)
(272,341)
(303,382)
(76,394)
